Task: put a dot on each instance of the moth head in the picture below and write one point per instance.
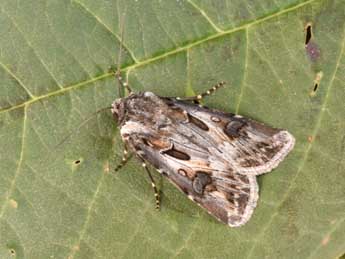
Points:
(117, 109)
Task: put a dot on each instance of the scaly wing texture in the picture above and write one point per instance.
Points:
(249, 146)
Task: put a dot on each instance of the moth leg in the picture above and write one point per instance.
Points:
(124, 160)
(198, 97)
(153, 184)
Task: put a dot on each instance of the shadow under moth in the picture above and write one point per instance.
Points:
(211, 156)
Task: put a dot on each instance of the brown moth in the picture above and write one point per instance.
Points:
(211, 156)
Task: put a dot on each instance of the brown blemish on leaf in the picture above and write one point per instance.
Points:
(313, 51)
(76, 248)
(333, 222)
(325, 240)
(106, 167)
(310, 139)
(13, 203)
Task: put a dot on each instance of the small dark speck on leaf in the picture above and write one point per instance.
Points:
(316, 83)
(77, 162)
(12, 251)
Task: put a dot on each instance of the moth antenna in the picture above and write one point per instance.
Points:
(118, 69)
(81, 125)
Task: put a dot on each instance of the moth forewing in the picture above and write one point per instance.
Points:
(210, 155)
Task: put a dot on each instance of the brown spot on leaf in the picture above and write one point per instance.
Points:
(326, 240)
(313, 51)
(13, 203)
(106, 167)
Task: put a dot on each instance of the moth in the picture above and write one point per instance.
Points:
(211, 156)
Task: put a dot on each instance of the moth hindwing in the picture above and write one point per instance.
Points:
(211, 156)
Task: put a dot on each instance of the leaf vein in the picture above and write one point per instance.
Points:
(8, 71)
(19, 166)
(204, 14)
(99, 20)
(39, 58)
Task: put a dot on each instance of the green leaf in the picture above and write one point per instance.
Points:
(63, 201)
